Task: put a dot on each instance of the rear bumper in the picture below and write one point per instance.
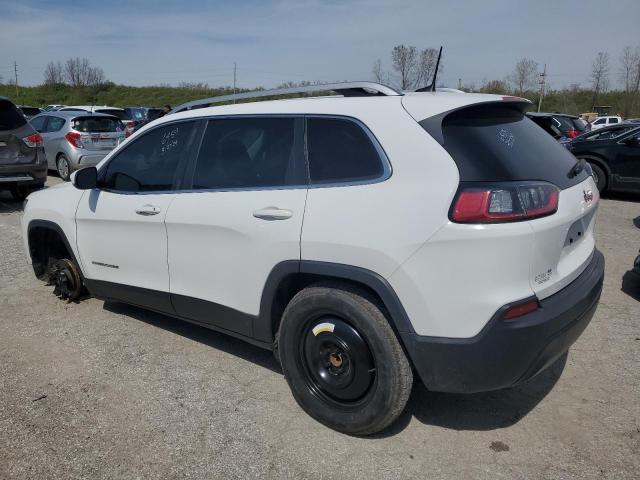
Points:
(25, 174)
(506, 353)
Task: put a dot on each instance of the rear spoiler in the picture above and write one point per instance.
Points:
(433, 125)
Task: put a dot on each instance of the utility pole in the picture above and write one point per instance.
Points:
(543, 78)
(234, 80)
(459, 84)
(15, 69)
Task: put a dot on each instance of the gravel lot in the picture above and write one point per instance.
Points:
(95, 390)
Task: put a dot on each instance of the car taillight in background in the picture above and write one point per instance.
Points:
(504, 202)
(75, 139)
(34, 140)
(573, 133)
(129, 127)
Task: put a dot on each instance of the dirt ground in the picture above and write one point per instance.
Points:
(106, 391)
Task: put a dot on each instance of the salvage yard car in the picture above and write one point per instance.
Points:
(76, 139)
(22, 163)
(365, 238)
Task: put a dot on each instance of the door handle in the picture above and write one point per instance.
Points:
(273, 213)
(148, 210)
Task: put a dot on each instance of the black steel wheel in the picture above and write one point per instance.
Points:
(66, 280)
(342, 360)
(338, 364)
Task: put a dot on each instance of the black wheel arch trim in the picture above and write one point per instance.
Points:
(56, 228)
(264, 327)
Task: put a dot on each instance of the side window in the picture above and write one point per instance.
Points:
(150, 163)
(249, 153)
(340, 151)
(613, 120)
(55, 124)
(38, 123)
(600, 121)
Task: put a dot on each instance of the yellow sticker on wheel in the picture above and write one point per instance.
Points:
(323, 327)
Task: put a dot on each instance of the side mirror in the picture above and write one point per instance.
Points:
(85, 178)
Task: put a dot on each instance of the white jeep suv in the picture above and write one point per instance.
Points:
(366, 238)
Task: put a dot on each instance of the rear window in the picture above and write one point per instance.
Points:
(579, 124)
(121, 114)
(10, 117)
(495, 143)
(97, 124)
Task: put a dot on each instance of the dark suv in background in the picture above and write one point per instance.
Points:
(22, 163)
(559, 125)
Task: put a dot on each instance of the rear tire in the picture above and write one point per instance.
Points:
(64, 167)
(342, 360)
(599, 176)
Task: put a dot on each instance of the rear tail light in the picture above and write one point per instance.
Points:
(75, 139)
(521, 309)
(504, 202)
(573, 133)
(34, 140)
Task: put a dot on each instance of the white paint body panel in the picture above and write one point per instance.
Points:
(111, 232)
(220, 252)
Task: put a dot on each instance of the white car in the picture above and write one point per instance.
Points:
(365, 238)
(607, 121)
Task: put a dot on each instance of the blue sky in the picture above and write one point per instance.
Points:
(144, 42)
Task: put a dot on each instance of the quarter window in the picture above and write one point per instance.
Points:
(151, 162)
(340, 150)
(248, 153)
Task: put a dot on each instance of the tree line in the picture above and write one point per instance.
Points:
(77, 81)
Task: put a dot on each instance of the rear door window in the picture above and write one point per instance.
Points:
(39, 123)
(495, 143)
(339, 150)
(10, 116)
(250, 153)
(55, 124)
(613, 120)
(151, 162)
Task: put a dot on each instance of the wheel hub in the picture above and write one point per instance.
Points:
(337, 360)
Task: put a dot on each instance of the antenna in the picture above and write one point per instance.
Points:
(432, 86)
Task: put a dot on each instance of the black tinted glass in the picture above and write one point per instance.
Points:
(10, 117)
(497, 143)
(121, 114)
(247, 153)
(340, 151)
(96, 124)
(150, 163)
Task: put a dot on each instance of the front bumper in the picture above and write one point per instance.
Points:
(506, 353)
(23, 174)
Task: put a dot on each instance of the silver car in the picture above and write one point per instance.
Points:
(74, 140)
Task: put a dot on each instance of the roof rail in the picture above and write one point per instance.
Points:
(348, 89)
